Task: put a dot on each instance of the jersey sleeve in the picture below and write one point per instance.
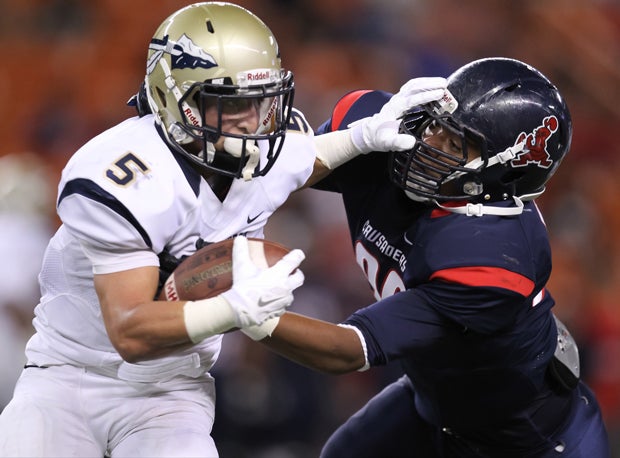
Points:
(296, 160)
(398, 325)
(123, 197)
(109, 234)
(421, 321)
(487, 270)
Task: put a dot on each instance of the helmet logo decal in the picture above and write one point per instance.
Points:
(267, 121)
(192, 117)
(184, 54)
(535, 147)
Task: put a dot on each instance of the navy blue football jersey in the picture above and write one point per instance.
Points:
(461, 300)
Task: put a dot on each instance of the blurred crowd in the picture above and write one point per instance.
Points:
(70, 65)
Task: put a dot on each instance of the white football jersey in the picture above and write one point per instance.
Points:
(122, 199)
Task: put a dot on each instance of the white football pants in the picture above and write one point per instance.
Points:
(66, 411)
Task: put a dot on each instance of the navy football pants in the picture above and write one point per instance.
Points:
(389, 426)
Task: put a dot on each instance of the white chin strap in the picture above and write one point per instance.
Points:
(500, 158)
(178, 134)
(209, 154)
(480, 210)
(234, 147)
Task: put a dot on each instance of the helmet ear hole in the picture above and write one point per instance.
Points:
(162, 97)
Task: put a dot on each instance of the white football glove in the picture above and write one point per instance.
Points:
(259, 294)
(260, 331)
(380, 131)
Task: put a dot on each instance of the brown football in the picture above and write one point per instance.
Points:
(208, 272)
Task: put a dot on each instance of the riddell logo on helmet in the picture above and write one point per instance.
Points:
(191, 116)
(257, 76)
(270, 113)
(535, 147)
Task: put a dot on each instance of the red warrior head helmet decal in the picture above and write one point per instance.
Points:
(535, 147)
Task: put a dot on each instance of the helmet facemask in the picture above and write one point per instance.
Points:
(204, 107)
(428, 173)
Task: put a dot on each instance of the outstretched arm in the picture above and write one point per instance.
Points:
(378, 132)
(317, 344)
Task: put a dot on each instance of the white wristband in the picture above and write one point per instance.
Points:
(260, 331)
(335, 148)
(208, 317)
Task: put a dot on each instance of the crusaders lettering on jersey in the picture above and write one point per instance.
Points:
(379, 240)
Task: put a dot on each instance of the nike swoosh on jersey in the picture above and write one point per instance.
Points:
(251, 220)
(262, 302)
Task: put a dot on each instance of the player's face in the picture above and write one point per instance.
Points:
(239, 116)
(454, 154)
(450, 143)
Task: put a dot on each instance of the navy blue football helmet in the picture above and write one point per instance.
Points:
(513, 128)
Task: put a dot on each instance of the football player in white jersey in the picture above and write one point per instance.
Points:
(112, 371)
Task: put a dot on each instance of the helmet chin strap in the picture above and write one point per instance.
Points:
(209, 153)
(500, 158)
(178, 134)
(470, 209)
(234, 146)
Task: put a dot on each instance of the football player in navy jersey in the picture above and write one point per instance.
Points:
(457, 254)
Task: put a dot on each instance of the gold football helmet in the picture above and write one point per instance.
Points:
(217, 55)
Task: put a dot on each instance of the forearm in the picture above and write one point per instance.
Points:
(141, 328)
(319, 172)
(149, 330)
(316, 344)
(378, 132)
(158, 328)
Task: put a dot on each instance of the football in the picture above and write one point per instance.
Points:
(208, 272)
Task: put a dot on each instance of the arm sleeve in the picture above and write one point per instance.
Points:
(112, 241)
(423, 319)
(105, 261)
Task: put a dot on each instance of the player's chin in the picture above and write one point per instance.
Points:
(423, 188)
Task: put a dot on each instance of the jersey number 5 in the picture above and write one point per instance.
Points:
(124, 170)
